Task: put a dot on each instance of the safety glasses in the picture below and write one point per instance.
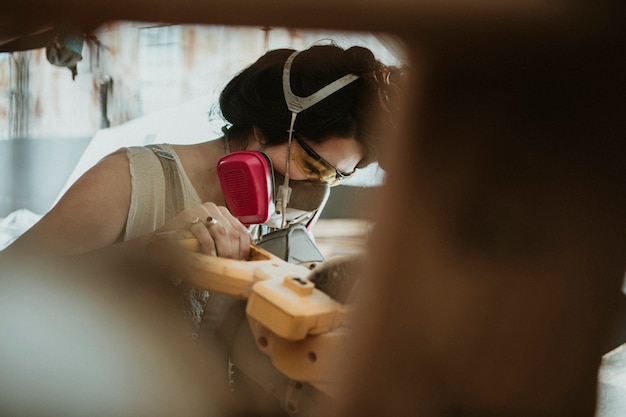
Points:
(314, 167)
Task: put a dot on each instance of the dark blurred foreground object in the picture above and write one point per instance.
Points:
(500, 253)
(91, 339)
(500, 256)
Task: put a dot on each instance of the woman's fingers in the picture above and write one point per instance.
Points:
(240, 236)
(215, 228)
(219, 233)
(203, 235)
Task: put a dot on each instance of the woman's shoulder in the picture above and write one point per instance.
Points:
(165, 150)
(197, 155)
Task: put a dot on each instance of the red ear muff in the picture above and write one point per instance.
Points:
(247, 185)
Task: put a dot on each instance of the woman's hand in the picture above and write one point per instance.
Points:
(219, 233)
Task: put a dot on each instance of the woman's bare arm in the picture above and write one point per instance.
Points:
(91, 215)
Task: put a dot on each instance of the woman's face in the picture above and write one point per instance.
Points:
(342, 153)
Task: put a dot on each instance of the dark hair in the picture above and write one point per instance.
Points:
(254, 97)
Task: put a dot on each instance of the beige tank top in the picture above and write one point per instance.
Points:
(149, 207)
(160, 189)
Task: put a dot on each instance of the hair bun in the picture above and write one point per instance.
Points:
(360, 60)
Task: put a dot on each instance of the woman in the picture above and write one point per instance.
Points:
(315, 115)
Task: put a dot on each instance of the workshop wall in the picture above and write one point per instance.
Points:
(131, 69)
(128, 70)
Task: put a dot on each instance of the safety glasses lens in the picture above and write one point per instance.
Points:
(315, 167)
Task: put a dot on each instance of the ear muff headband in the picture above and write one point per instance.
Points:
(296, 104)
